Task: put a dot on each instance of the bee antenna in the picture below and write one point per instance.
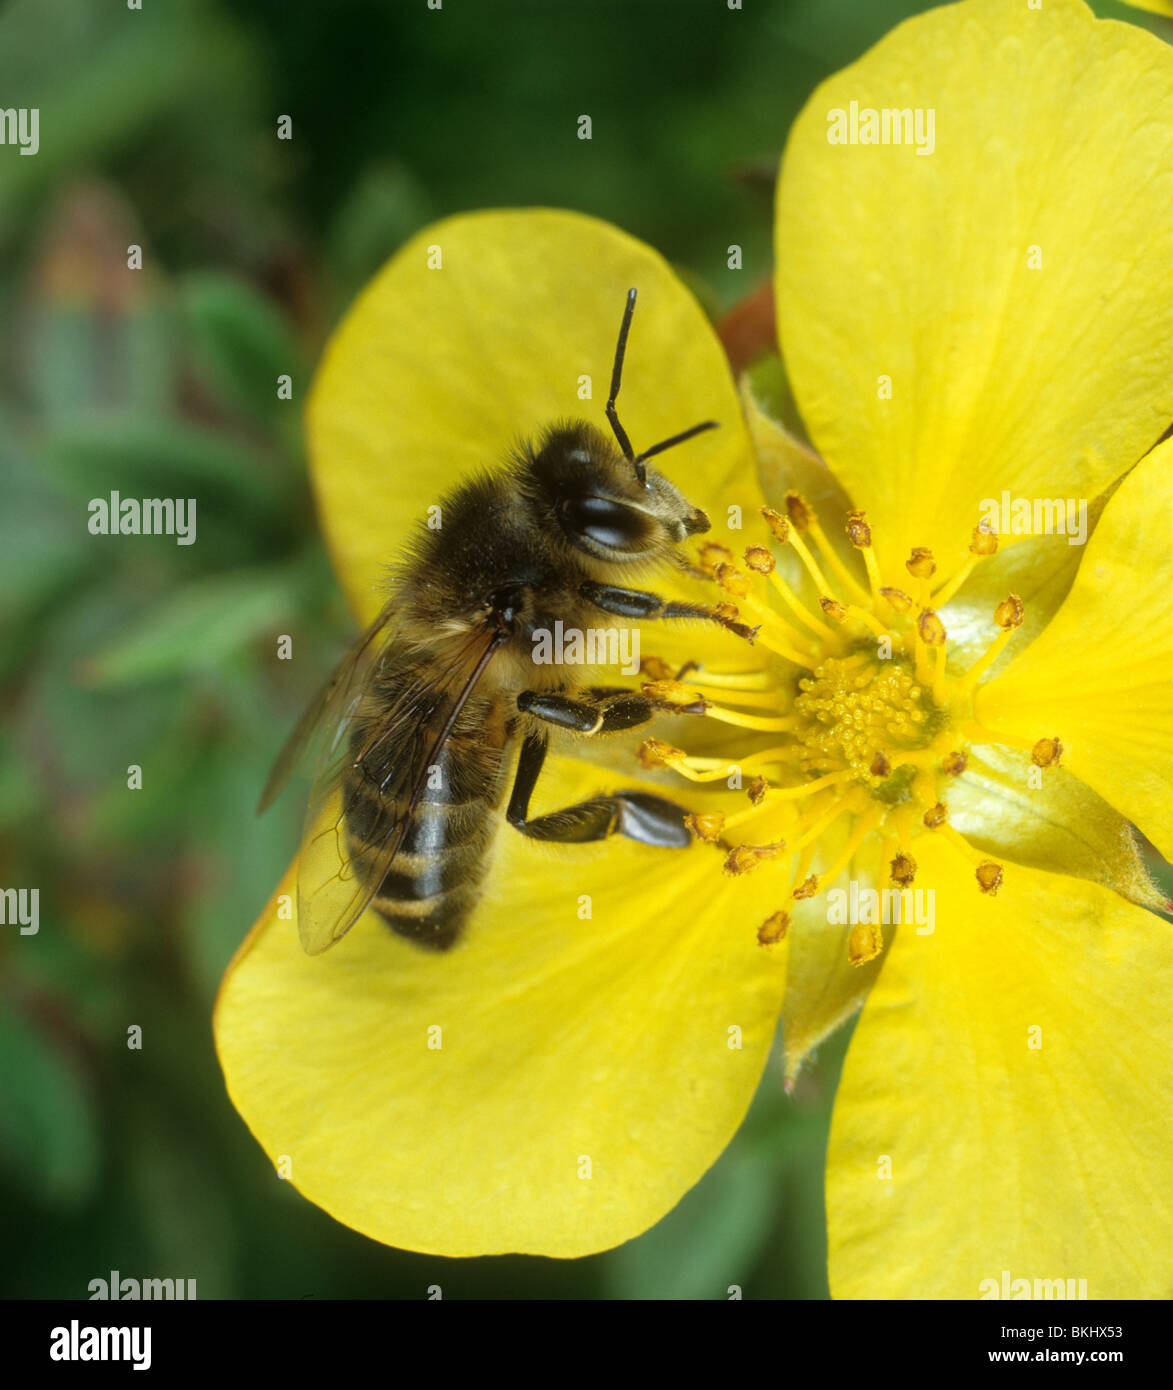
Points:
(637, 460)
(616, 379)
(676, 439)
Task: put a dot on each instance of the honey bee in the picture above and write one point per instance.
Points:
(424, 713)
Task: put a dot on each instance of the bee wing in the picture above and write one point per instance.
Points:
(328, 710)
(335, 888)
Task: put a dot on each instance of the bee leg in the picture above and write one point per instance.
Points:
(649, 820)
(609, 714)
(637, 603)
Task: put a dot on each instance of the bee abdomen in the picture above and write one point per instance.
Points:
(435, 878)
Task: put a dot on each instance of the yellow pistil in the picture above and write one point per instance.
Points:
(841, 612)
(859, 533)
(831, 557)
(800, 515)
(931, 631)
(781, 529)
(756, 681)
(773, 632)
(767, 724)
(984, 542)
(832, 779)
(863, 828)
(1008, 615)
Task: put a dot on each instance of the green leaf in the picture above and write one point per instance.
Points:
(159, 458)
(243, 344)
(385, 207)
(49, 1137)
(197, 627)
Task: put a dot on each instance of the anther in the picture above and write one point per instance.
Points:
(676, 694)
(759, 559)
(931, 628)
(774, 928)
(954, 763)
(654, 752)
(808, 888)
(655, 668)
(757, 789)
(984, 540)
(1009, 613)
(833, 608)
(732, 580)
(880, 767)
(743, 858)
(713, 553)
(920, 564)
(936, 815)
(706, 827)
(859, 533)
(800, 513)
(1046, 753)
(903, 870)
(897, 598)
(777, 523)
(989, 876)
(865, 943)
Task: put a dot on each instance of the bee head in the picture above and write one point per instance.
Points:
(600, 503)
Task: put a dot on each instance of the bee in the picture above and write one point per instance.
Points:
(424, 715)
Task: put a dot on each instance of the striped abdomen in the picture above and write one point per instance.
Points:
(435, 878)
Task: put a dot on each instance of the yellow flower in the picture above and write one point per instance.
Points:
(932, 702)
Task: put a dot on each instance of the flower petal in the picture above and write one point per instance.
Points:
(823, 988)
(1052, 822)
(919, 267)
(1039, 569)
(1100, 678)
(1048, 1163)
(591, 1069)
(435, 373)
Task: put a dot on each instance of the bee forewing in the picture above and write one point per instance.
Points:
(331, 896)
(315, 736)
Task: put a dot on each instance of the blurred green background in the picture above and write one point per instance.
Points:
(158, 128)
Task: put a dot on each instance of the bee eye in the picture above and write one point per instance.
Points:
(605, 523)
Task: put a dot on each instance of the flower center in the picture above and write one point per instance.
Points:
(857, 713)
(850, 708)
